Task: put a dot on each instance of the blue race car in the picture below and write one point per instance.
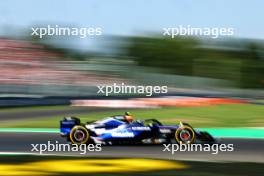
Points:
(122, 129)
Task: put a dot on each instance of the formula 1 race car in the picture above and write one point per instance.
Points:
(122, 130)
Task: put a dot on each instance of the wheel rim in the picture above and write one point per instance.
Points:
(79, 135)
(185, 135)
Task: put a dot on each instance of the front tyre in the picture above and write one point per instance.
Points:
(185, 135)
(79, 135)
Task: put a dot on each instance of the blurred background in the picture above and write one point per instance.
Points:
(131, 48)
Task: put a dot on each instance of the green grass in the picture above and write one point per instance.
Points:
(259, 101)
(236, 115)
(34, 108)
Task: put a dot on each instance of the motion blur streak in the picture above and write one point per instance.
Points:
(52, 167)
(34, 67)
(156, 102)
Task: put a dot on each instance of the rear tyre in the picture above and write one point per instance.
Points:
(79, 135)
(185, 135)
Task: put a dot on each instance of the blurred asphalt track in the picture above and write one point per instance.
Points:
(246, 150)
(16, 115)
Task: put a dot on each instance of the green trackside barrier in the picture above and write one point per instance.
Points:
(217, 132)
(30, 130)
(236, 132)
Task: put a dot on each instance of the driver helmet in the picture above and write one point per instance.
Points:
(129, 117)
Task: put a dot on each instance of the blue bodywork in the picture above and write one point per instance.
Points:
(112, 129)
